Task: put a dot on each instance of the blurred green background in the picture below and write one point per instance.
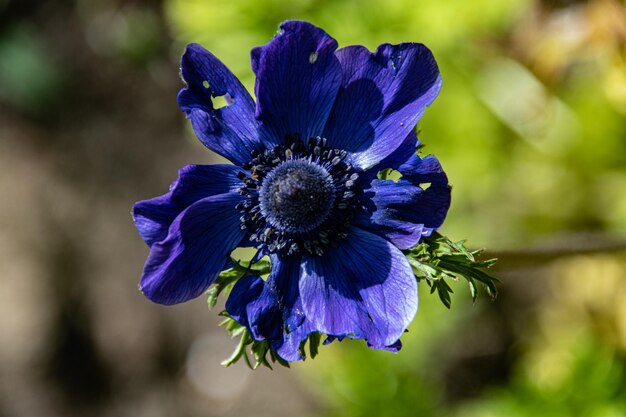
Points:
(530, 127)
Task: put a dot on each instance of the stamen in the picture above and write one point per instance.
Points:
(298, 198)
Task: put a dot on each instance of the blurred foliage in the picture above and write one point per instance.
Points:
(355, 381)
(574, 361)
(531, 129)
(530, 124)
(128, 31)
(29, 76)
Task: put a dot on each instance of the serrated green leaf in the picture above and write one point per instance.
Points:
(227, 278)
(444, 293)
(257, 348)
(438, 259)
(212, 295)
(240, 351)
(473, 289)
(277, 359)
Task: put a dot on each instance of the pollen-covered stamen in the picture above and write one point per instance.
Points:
(297, 196)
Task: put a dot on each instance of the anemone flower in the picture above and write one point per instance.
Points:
(305, 189)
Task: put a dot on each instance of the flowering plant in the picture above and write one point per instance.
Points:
(342, 245)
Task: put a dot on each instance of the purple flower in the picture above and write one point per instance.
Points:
(303, 189)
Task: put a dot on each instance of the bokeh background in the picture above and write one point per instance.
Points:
(530, 126)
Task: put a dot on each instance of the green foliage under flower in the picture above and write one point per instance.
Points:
(436, 260)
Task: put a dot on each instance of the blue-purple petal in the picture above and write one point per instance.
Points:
(436, 198)
(184, 264)
(394, 160)
(153, 217)
(394, 347)
(252, 305)
(402, 154)
(423, 170)
(232, 130)
(389, 207)
(388, 204)
(364, 289)
(272, 310)
(402, 233)
(403, 211)
(382, 97)
(298, 77)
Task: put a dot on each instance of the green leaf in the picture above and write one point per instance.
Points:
(437, 259)
(258, 349)
(239, 351)
(223, 283)
(260, 267)
(227, 278)
(473, 289)
(444, 291)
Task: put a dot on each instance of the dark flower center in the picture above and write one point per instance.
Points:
(297, 196)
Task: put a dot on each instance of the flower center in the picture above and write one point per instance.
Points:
(297, 196)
